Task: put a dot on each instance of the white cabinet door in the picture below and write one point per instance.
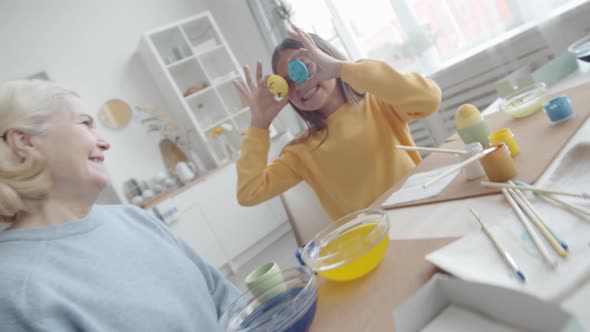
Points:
(236, 227)
(195, 231)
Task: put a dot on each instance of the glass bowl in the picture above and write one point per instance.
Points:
(581, 49)
(349, 248)
(526, 101)
(290, 310)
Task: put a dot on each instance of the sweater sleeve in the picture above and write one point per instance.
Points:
(410, 95)
(257, 180)
(223, 292)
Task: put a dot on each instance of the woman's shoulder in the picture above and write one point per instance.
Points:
(137, 220)
(122, 211)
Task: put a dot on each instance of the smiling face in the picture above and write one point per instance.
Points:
(73, 151)
(311, 95)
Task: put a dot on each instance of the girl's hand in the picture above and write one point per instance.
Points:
(263, 105)
(321, 65)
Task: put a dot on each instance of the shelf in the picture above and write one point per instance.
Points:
(192, 55)
(180, 62)
(217, 124)
(198, 93)
(207, 108)
(242, 119)
(201, 32)
(242, 111)
(171, 45)
(187, 73)
(206, 50)
(233, 138)
(230, 95)
(218, 64)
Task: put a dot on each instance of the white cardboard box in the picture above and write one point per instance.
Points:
(449, 304)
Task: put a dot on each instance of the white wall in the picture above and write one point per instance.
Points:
(90, 46)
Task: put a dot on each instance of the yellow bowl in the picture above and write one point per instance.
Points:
(525, 101)
(351, 247)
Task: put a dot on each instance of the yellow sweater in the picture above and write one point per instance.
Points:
(358, 161)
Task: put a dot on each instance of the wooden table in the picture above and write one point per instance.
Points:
(458, 222)
(367, 304)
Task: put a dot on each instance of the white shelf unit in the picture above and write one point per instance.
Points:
(190, 52)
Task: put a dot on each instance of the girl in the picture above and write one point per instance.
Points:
(356, 112)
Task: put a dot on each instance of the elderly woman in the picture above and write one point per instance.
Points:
(69, 265)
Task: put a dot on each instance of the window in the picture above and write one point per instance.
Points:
(415, 34)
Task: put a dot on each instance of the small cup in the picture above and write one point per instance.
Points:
(499, 165)
(473, 170)
(559, 109)
(505, 136)
(266, 281)
(477, 132)
(184, 172)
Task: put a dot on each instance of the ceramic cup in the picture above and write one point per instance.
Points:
(266, 281)
(505, 136)
(184, 172)
(477, 132)
(558, 109)
(499, 165)
(473, 170)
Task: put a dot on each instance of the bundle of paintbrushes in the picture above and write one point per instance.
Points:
(531, 219)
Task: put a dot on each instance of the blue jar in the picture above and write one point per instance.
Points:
(559, 109)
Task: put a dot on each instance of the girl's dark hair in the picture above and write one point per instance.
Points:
(315, 120)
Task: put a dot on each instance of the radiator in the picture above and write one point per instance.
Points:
(473, 80)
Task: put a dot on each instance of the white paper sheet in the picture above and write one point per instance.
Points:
(412, 189)
(454, 318)
(474, 257)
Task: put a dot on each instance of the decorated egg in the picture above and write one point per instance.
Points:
(277, 86)
(466, 116)
(298, 71)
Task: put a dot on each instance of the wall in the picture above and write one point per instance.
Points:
(90, 46)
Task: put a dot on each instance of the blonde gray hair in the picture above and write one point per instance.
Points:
(28, 106)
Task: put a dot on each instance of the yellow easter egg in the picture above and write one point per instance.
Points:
(277, 86)
(466, 116)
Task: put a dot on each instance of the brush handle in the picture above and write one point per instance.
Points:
(419, 148)
(534, 189)
(508, 193)
(461, 165)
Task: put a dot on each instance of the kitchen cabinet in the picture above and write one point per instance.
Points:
(217, 227)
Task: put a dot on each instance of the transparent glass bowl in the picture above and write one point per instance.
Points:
(526, 101)
(291, 310)
(349, 248)
(581, 49)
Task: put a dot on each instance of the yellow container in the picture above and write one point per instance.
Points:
(505, 136)
(350, 248)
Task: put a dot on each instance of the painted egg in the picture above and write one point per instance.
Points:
(298, 71)
(467, 115)
(277, 86)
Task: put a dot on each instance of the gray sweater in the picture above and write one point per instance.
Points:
(118, 269)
